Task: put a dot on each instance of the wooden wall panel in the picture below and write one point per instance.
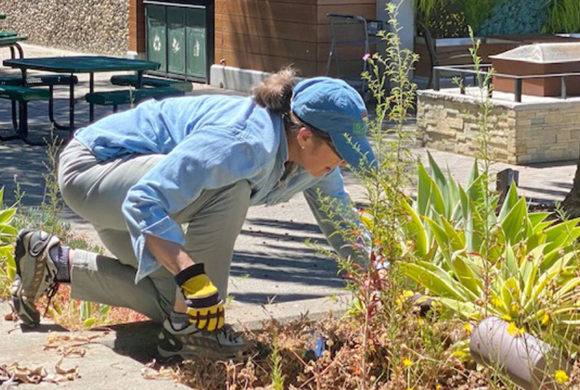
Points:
(273, 11)
(136, 26)
(262, 45)
(264, 62)
(268, 34)
(267, 28)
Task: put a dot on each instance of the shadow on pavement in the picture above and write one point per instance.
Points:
(137, 340)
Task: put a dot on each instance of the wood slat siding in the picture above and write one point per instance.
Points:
(269, 34)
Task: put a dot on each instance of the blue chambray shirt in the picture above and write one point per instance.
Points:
(210, 142)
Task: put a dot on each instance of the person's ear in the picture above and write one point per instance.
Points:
(304, 136)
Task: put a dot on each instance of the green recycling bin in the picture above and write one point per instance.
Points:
(180, 37)
(175, 40)
(157, 36)
(196, 37)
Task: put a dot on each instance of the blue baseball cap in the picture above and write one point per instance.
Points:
(334, 107)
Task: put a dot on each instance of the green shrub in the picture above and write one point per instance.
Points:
(7, 236)
(564, 17)
(529, 275)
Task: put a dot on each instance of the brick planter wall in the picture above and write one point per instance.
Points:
(520, 133)
(91, 26)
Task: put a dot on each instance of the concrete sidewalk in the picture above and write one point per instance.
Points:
(273, 273)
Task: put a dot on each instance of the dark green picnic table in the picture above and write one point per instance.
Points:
(11, 41)
(81, 64)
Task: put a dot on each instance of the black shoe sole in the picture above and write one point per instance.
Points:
(29, 316)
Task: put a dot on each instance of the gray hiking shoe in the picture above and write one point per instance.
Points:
(192, 343)
(35, 273)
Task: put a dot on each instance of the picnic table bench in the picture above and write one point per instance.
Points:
(13, 42)
(133, 81)
(116, 98)
(80, 64)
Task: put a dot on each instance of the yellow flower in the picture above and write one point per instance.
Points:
(561, 376)
(468, 327)
(403, 297)
(514, 331)
(515, 306)
(496, 302)
(438, 387)
(545, 319)
(407, 363)
(507, 317)
(459, 354)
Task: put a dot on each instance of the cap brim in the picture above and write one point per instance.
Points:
(356, 150)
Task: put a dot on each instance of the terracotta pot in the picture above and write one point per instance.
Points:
(528, 361)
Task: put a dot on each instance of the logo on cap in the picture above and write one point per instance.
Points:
(360, 128)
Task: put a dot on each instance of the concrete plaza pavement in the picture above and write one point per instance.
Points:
(273, 273)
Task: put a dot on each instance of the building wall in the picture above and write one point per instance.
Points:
(520, 133)
(91, 26)
(266, 35)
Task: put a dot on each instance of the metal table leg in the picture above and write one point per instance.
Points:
(71, 106)
(91, 90)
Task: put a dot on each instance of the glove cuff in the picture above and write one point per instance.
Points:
(189, 272)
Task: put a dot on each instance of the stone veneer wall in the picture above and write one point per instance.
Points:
(520, 133)
(91, 26)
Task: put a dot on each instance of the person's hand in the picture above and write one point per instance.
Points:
(205, 309)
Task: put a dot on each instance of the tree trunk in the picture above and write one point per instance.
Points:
(571, 203)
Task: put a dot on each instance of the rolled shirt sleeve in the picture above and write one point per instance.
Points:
(195, 164)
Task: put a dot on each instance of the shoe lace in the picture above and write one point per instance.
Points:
(50, 293)
(229, 334)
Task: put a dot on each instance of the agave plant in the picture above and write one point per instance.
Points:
(515, 265)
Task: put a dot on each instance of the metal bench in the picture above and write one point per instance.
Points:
(131, 80)
(45, 80)
(116, 98)
(39, 80)
(22, 95)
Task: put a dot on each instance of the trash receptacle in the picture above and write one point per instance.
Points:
(180, 37)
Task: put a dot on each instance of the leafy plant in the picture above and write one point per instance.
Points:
(478, 11)
(276, 366)
(426, 7)
(532, 271)
(564, 17)
(7, 236)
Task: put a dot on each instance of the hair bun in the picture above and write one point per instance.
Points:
(275, 91)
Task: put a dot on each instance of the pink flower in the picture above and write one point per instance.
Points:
(366, 57)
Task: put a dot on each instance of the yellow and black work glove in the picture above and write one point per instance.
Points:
(205, 309)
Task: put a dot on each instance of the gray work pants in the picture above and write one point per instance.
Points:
(95, 190)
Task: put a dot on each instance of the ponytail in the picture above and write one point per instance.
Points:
(275, 91)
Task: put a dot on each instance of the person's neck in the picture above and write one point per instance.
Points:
(292, 147)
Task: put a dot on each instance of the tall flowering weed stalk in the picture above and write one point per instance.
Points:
(391, 344)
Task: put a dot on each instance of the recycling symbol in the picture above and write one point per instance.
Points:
(157, 43)
(175, 45)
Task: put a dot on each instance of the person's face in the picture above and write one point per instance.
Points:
(317, 156)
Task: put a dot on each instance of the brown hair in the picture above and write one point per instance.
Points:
(275, 91)
(275, 94)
